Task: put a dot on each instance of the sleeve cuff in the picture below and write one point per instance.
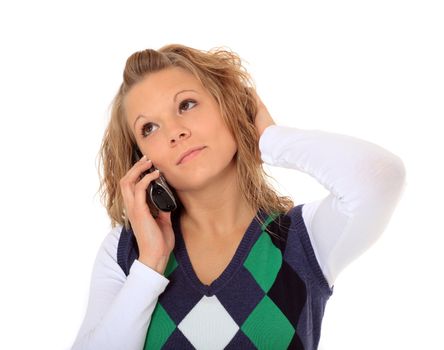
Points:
(148, 276)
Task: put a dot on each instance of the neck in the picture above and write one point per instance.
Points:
(216, 213)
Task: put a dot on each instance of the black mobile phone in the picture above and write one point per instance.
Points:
(158, 192)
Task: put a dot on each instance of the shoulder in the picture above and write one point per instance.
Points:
(303, 213)
(108, 249)
(111, 240)
(301, 251)
(308, 211)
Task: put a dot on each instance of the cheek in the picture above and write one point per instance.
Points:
(155, 152)
(225, 140)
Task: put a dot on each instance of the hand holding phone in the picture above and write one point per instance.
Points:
(153, 232)
(158, 192)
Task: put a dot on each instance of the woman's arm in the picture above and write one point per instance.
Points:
(119, 307)
(365, 182)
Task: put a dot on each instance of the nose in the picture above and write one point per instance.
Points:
(179, 132)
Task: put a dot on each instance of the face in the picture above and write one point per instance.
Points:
(170, 112)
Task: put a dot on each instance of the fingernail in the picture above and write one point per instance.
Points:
(144, 156)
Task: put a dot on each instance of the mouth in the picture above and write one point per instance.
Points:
(191, 155)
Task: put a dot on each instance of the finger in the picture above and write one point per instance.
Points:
(164, 218)
(136, 170)
(127, 183)
(133, 175)
(140, 193)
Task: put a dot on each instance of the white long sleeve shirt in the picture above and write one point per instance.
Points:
(365, 182)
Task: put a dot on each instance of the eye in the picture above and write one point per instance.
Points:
(145, 127)
(185, 102)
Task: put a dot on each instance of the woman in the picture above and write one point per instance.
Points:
(235, 265)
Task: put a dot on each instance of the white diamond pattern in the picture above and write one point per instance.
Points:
(208, 325)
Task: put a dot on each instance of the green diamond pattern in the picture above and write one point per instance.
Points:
(267, 327)
(171, 265)
(160, 328)
(264, 261)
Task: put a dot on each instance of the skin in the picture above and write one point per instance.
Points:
(206, 185)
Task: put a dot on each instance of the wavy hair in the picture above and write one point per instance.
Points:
(220, 71)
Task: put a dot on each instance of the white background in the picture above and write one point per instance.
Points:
(370, 69)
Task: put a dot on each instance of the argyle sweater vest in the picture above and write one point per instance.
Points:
(272, 294)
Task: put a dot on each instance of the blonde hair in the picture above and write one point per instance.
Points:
(221, 72)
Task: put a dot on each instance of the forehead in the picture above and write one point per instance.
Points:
(161, 85)
(156, 90)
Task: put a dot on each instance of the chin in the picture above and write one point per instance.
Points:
(199, 179)
(201, 174)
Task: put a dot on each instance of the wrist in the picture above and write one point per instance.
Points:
(156, 264)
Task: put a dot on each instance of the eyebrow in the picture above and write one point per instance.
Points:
(174, 99)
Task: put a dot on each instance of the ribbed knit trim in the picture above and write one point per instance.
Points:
(127, 250)
(121, 251)
(296, 215)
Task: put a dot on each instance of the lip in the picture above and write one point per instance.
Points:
(189, 151)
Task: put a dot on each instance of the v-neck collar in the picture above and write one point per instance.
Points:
(181, 253)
